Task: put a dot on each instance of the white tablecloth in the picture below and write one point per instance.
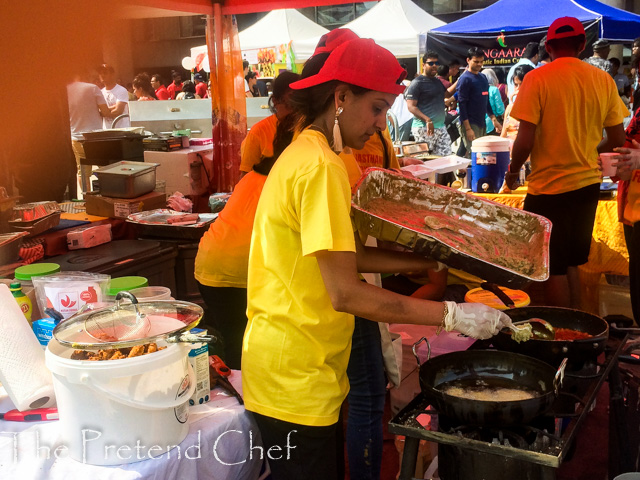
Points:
(221, 428)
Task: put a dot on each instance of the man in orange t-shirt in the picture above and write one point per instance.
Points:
(563, 107)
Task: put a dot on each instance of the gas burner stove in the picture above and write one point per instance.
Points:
(526, 452)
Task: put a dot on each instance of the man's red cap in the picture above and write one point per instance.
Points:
(329, 41)
(564, 27)
(360, 62)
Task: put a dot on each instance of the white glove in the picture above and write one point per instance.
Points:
(440, 266)
(475, 319)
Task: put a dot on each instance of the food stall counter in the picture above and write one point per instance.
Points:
(608, 252)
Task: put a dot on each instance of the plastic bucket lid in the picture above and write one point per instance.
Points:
(490, 143)
(125, 283)
(27, 272)
(479, 295)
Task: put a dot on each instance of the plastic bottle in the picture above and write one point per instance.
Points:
(22, 299)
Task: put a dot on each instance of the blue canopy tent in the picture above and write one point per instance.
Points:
(503, 29)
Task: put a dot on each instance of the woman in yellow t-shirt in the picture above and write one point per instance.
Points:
(303, 285)
(258, 143)
(223, 253)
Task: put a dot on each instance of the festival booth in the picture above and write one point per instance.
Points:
(275, 42)
(503, 29)
(394, 24)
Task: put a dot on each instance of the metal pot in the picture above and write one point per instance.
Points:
(494, 369)
(553, 351)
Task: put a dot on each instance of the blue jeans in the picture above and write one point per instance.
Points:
(366, 402)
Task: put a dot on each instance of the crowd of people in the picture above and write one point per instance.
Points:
(99, 102)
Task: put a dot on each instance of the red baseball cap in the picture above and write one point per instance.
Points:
(360, 62)
(564, 27)
(329, 41)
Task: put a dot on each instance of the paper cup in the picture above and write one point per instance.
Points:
(608, 161)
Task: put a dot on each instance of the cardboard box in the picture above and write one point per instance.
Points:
(123, 207)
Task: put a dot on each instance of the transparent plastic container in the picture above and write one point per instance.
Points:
(151, 294)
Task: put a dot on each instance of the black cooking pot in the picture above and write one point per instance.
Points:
(494, 369)
(553, 351)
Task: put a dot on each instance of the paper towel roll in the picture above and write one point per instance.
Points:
(23, 372)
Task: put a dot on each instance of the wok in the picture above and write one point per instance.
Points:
(495, 369)
(553, 351)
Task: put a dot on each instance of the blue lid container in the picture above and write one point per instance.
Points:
(489, 162)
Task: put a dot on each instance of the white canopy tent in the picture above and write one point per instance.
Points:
(278, 27)
(394, 24)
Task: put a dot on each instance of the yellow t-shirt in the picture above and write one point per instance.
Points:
(296, 346)
(258, 143)
(570, 102)
(371, 155)
(223, 253)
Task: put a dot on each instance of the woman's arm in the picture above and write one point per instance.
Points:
(349, 294)
(381, 260)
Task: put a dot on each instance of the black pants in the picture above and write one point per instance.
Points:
(632, 237)
(315, 453)
(227, 313)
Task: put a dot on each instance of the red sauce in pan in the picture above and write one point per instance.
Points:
(569, 334)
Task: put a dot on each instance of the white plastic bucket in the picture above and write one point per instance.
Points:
(122, 411)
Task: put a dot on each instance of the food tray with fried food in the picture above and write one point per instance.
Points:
(495, 242)
(26, 214)
(167, 223)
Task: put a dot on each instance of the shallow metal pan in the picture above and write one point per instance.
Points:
(520, 254)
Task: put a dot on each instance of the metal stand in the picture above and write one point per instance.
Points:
(409, 458)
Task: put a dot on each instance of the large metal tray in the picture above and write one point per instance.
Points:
(495, 242)
(153, 223)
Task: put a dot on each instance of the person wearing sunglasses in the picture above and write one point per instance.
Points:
(425, 100)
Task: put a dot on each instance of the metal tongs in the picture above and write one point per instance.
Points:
(219, 372)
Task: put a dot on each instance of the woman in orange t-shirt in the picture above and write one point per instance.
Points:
(259, 141)
(222, 260)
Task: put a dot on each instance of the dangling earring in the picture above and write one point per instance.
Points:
(337, 136)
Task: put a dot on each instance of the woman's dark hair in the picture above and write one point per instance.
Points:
(443, 70)
(281, 87)
(143, 82)
(250, 75)
(189, 87)
(521, 71)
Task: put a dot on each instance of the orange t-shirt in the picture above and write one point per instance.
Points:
(223, 254)
(371, 155)
(258, 143)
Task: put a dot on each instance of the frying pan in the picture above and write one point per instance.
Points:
(553, 351)
(495, 369)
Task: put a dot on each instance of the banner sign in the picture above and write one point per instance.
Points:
(501, 49)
